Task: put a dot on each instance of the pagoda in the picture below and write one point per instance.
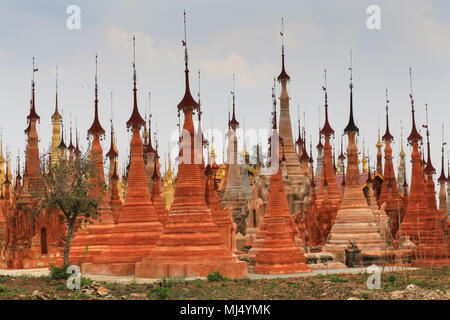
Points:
(94, 238)
(389, 190)
(138, 227)
(234, 196)
(341, 161)
(32, 241)
(319, 148)
(56, 123)
(222, 218)
(113, 182)
(168, 186)
(448, 188)
(297, 181)
(421, 222)
(401, 167)
(149, 153)
(112, 155)
(279, 252)
(190, 243)
(379, 145)
(327, 210)
(160, 209)
(355, 220)
(442, 181)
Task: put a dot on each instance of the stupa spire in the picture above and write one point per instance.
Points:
(112, 153)
(442, 178)
(414, 135)
(387, 135)
(429, 169)
(299, 141)
(77, 146)
(326, 130)
(274, 111)
(234, 123)
(135, 118)
(56, 116)
(351, 126)
(33, 115)
(187, 103)
(96, 128)
(283, 75)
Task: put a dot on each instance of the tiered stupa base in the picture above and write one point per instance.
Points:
(190, 244)
(94, 238)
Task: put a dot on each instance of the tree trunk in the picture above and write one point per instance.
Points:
(70, 224)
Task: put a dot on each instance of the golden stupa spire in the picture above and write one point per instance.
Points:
(2, 158)
(364, 158)
(379, 143)
(402, 151)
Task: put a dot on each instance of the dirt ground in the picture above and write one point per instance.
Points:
(422, 284)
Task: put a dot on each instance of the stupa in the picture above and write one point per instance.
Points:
(94, 237)
(138, 227)
(161, 210)
(354, 220)
(299, 184)
(234, 196)
(421, 222)
(389, 190)
(279, 252)
(222, 218)
(190, 244)
(328, 205)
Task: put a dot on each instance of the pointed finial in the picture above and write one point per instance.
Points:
(351, 126)
(234, 123)
(134, 60)
(185, 41)
(112, 111)
(187, 103)
(274, 111)
(414, 135)
(387, 135)
(56, 116)
(326, 130)
(411, 85)
(34, 68)
(429, 169)
(96, 127)
(283, 75)
(198, 94)
(442, 178)
(351, 68)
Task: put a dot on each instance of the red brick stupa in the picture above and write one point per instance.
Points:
(389, 189)
(279, 252)
(327, 206)
(161, 210)
(190, 244)
(355, 220)
(222, 218)
(95, 236)
(138, 227)
(421, 222)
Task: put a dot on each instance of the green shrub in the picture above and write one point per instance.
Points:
(160, 292)
(3, 279)
(86, 282)
(336, 278)
(216, 276)
(4, 290)
(57, 273)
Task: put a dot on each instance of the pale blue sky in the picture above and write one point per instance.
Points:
(225, 37)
